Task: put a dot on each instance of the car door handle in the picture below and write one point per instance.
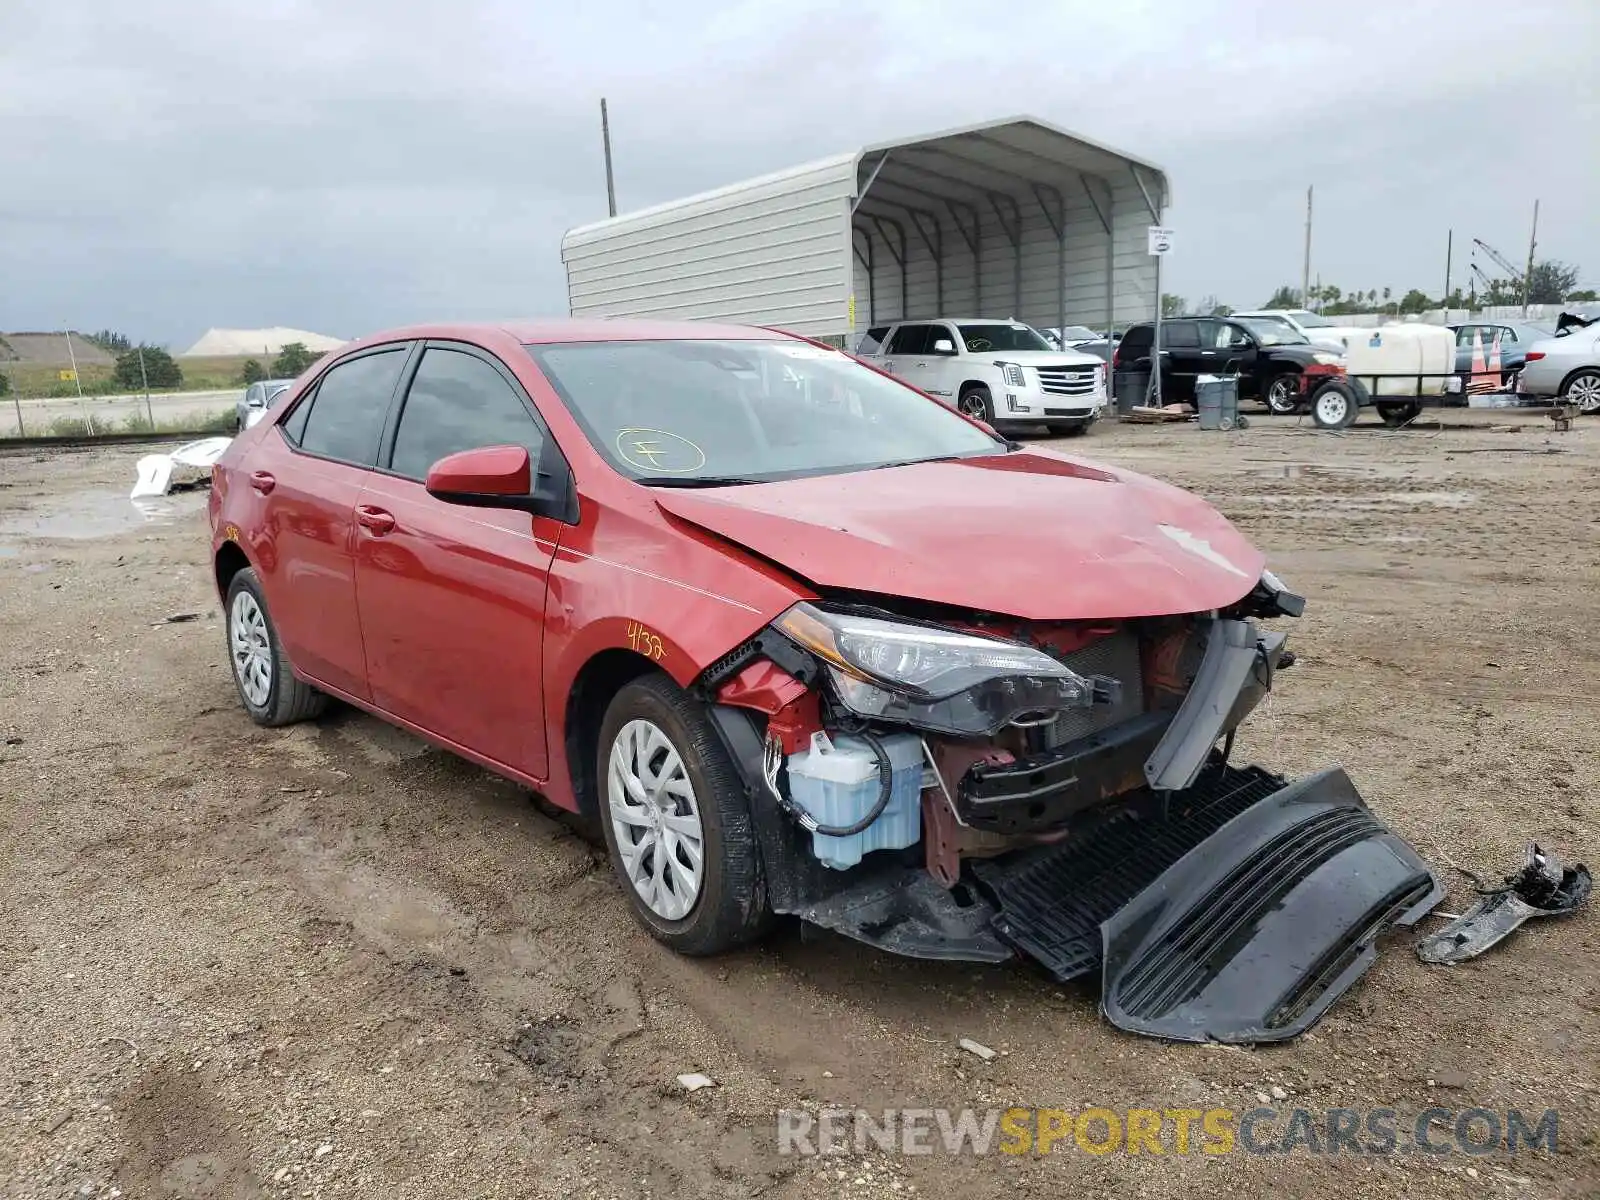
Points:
(1209, 353)
(376, 520)
(263, 482)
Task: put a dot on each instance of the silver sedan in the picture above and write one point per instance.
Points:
(1568, 367)
(248, 409)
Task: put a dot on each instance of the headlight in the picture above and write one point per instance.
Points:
(1329, 360)
(934, 678)
(1013, 375)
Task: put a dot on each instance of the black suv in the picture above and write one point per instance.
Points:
(1274, 363)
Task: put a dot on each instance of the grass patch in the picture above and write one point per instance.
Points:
(218, 421)
(42, 381)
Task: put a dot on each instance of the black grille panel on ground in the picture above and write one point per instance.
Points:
(1173, 970)
(1052, 899)
(1067, 381)
(1118, 657)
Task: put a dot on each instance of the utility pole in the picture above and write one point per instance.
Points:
(73, 359)
(605, 136)
(1305, 267)
(145, 379)
(1527, 277)
(1449, 246)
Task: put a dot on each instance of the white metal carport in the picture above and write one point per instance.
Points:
(1014, 218)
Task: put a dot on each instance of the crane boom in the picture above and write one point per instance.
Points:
(1500, 260)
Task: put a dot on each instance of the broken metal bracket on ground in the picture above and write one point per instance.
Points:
(1545, 887)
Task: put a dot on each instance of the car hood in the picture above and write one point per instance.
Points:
(1030, 534)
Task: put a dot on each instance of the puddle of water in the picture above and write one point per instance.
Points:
(98, 514)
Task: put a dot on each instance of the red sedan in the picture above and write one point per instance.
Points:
(802, 640)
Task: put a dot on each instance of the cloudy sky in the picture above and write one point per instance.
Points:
(171, 165)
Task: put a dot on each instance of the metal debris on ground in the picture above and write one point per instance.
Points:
(1544, 887)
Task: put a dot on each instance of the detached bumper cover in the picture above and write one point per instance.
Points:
(1258, 929)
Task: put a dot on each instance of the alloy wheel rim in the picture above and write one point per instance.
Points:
(252, 649)
(655, 818)
(1585, 392)
(972, 405)
(1279, 398)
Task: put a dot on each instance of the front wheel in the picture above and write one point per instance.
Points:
(976, 403)
(1334, 405)
(266, 682)
(677, 826)
(1583, 389)
(1283, 394)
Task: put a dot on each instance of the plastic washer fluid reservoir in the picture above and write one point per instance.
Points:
(836, 781)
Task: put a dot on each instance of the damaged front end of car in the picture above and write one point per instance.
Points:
(976, 787)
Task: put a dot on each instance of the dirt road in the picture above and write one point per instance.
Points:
(331, 961)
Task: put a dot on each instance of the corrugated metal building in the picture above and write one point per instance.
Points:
(1012, 218)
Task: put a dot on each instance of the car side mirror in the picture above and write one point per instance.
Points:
(504, 477)
(944, 346)
(255, 402)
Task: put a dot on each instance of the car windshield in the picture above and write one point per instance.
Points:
(1273, 331)
(1078, 333)
(1310, 320)
(1013, 335)
(701, 413)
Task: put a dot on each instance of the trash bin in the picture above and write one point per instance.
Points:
(1217, 398)
(1130, 386)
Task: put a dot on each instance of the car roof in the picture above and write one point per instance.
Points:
(538, 331)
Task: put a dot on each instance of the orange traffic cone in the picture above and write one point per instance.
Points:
(1476, 381)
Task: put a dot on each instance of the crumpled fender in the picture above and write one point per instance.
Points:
(1257, 930)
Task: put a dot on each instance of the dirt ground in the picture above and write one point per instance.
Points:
(331, 961)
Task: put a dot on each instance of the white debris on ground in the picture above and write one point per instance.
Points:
(189, 464)
(694, 1082)
(978, 1048)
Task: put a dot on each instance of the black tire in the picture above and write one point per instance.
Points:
(1282, 394)
(1068, 428)
(1397, 414)
(976, 402)
(731, 908)
(1242, 423)
(1577, 383)
(1326, 409)
(288, 699)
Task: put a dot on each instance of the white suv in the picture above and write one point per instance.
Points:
(1002, 372)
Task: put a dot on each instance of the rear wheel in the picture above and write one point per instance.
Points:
(676, 822)
(1583, 389)
(976, 403)
(1334, 405)
(1396, 415)
(266, 682)
(1283, 394)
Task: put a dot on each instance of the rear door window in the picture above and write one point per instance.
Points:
(872, 340)
(1180, 335)
(912, 339)
(345, 418)
(458, 401)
